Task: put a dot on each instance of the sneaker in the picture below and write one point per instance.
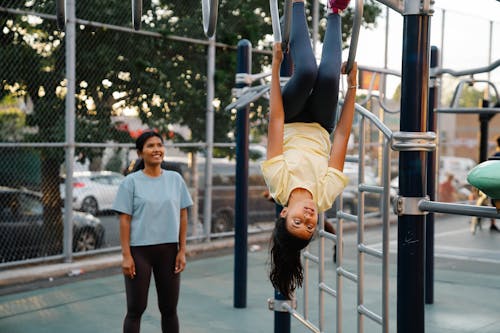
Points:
(336, 6)
(493, 227)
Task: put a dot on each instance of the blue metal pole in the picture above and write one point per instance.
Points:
(282, 320)
(244, 65)
(431, 183)
(412, 172)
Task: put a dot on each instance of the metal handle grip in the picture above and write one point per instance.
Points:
(210, 10)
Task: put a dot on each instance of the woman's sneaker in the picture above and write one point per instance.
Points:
(336, 6)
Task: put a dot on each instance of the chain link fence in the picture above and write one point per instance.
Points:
(125, 81)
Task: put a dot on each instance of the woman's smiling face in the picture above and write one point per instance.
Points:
(153, 151)
(301, 218)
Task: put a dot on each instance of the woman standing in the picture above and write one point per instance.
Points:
(152, 204)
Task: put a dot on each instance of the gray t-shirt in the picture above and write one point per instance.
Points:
(154, 204)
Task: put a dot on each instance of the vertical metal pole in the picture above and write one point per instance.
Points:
(490, 50)
(431, 182)
(412, 167)
(315, 25)
(209, 128)
(361, 225)
(70, 39)
(282, 320)
(244, 65)
(484, 120)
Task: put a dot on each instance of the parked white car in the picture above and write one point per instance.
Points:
(94, 191)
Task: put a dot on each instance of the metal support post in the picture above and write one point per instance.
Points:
(431, 182)
(244, 65)
(484, 123)
(70, 39)
(412, 167)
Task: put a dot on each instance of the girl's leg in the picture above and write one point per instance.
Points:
(297, 89)
(167, 286)
(322, 104)
(137, 290)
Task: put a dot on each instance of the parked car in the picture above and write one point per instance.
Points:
(22, 227)
(93, 191)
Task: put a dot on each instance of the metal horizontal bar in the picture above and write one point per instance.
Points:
(345, 273)
(372, 214)
(310, 256)
(32, 144)
(472, 71)
(374, 120)
(369, 250)
(301, 319)
(379, 70)
(393, 4)
(327, 289)
(468, 110)
(370, 314)
(348, 217)
(458, 209)
(328, 235)
(371, 188)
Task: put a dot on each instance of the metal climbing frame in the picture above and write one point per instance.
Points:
(341, 272)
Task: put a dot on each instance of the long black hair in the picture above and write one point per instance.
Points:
(286, 272)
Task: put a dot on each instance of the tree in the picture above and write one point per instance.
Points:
(163, 79)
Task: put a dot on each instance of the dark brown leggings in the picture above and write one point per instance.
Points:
(159, 259)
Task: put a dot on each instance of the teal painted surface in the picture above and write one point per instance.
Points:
(465, 302)
(486, 177)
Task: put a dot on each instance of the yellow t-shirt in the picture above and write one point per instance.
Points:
(304, 164)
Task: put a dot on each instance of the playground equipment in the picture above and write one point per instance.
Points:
(486, 177)
(210, 10)
(136, 14)
(61, 14)
(416, 142)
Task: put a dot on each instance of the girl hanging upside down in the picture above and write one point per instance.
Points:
(303, 170)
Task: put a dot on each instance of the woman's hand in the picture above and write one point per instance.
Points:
(180, 262)
(352, 76)
(277, 53)
(128, 266)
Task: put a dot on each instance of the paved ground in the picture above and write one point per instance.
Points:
(467, 290)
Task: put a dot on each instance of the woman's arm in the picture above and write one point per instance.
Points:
(128, 265)
(180, 260)
(343, 128)
(277, 115)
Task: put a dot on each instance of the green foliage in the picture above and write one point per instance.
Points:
(164, 80)
(12, 121)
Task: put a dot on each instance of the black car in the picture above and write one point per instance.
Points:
(24, 233)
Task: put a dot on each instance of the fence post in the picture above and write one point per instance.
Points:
(244, 65)
(70, 39)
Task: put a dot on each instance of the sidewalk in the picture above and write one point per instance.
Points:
(464, 302)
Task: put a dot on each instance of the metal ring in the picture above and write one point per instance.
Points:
(210, 10)
(281, 27)
(356, 27)
(137, 14)
(61, 14)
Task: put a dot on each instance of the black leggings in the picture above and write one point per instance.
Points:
(311, 94)
(160, 259)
